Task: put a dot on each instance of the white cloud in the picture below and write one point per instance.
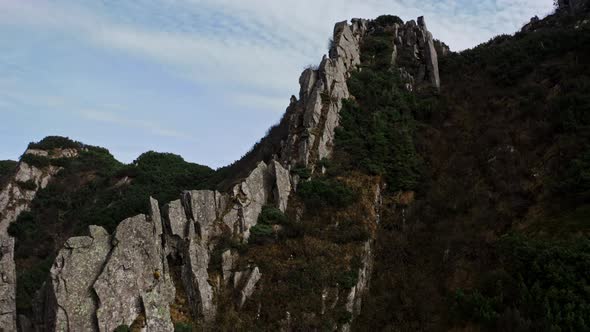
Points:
(249, 52)
(112, 118)
(257, 43)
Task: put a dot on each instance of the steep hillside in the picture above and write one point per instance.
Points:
(90, 189)
(497, 238)
(406, 188)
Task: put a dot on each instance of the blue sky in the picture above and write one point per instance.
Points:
(199, 78)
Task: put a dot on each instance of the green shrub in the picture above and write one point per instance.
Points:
(387, 20)
(36, 161)
(545, 283)
(122, 328)
(318, 193)
(183, 327)
(7, 168)
(474, 306)
(303, 172)
(343, 317)
(261, 233)
(350, 231)
(376, 130)
(55, 142)
(270, 215)
(29, 281)
(24, 225)
(576, 178)
(28, 185)
(347, 279)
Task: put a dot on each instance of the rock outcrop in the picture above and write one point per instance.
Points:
(135, 270)
(282, 188)
(125, 278)
(196, 280)
(315, 115)
(72, 276)
(245, 282)
(15, 197)
(312, 125)
(7, 284)
(99, 282)
(414, 41)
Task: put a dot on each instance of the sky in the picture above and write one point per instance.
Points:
(203, 79)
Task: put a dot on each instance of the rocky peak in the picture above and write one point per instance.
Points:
(315, 115)
(101, 281)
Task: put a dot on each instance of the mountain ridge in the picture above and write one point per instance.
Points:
(362, 164)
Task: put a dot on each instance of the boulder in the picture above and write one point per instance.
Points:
(245, 282)
(135, 267)
(72, 276)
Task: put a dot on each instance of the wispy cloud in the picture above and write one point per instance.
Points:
(227, 57)
(112, 118)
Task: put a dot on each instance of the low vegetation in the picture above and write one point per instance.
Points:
(543, 286)
(497, 239)
(7, 168)
(92, 189)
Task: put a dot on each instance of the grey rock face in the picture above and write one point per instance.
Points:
(72, 276)
(204, 211)
(7, 284)
(228, 260)
(177, 220)
(312, 127)
(251, 195)
(430, 55)
(156, 304)
(196, 281)
(357, 293)
(134, 268)
(282, 188)
(246, 282)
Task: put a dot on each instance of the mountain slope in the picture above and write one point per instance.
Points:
(498, 236)
(389, 197)
(90, 189)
